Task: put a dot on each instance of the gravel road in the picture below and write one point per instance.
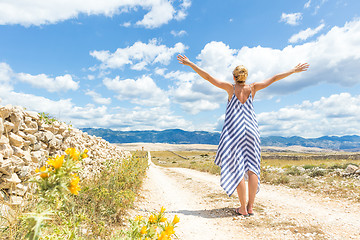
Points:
(206, 212)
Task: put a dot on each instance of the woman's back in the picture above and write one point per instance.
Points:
(242, 92)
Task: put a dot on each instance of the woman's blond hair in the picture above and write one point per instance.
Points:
(240, 73)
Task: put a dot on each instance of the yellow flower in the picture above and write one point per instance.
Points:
(169, 230)
(162, 209)
(163, 236)
(152, 219)
(163, 219)
(176, 219)
(43, 174)
(138, 218)
(143, 230)
(74, 185)
(56, 162)
(74, 154)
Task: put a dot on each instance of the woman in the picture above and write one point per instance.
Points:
(238, 152)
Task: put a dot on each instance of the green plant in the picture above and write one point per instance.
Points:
(47, 118)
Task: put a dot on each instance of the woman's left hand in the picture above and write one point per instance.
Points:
(183, 60)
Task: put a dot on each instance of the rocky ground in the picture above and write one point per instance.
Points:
(206, 212)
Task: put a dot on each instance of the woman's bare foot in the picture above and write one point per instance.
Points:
(250, 210)
(241, 211)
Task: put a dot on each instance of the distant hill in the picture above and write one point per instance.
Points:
(178, 136)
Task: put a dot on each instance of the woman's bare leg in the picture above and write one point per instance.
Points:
(241, 190)
(252, 185)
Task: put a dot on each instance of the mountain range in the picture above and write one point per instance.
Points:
(178, 136)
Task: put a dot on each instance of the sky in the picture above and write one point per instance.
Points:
(112, 64)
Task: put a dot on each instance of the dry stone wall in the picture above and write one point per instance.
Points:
(26, 141)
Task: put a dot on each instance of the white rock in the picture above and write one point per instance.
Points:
(13, 178)
(31, 138)
(1, 126)
(5, 111)
(4, 140)
(6, 150)
(16, 200)
(8, 126)
(7, 214)
(16, 140)
(20, 189)
(18, 152)
(32, 114)
(351, 168)
(16, 119)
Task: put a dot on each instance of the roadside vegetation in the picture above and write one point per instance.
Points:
(63, 206)
(322, 176)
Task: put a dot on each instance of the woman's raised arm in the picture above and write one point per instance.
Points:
(298, 68)
(220, 84)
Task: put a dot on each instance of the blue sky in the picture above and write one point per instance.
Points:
(112, 64)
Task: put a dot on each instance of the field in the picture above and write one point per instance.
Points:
(320, 173)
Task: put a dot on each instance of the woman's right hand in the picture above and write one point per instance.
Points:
(183, 60)
(301, 67)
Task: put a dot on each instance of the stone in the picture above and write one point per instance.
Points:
(31, 138)
(36, 156)
(8, 126)
(357, 172)
(37, 146)
(5, 111)
(25, 172)
(16, 140)
(4, 171)
(27, 157)
(44, 136)
(27, 120)
(6, 150)
(18, 152)
(16, 119)
(16, 200)
(20, 190)
(7, 214)
(351, 169)
(1, 126)
(55, 143)
(13, 178)
(32, 114)
(4, 140)
(30, 130)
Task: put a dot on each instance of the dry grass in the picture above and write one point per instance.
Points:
(314, 179)
(202, 161)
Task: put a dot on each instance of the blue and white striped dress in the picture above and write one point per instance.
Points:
(239, 147)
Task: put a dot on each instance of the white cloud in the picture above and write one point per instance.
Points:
(335, 115)
(307, 4)
(305, 34)
(90, 77)
(139, 55)
(138, 118)
(142, 91)
(178, 33)
(334, 57)
(126, 24)
(97, 97)
(40, 12)
(291, 18)
(57, 84)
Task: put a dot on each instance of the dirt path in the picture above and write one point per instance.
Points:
(206, 212)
